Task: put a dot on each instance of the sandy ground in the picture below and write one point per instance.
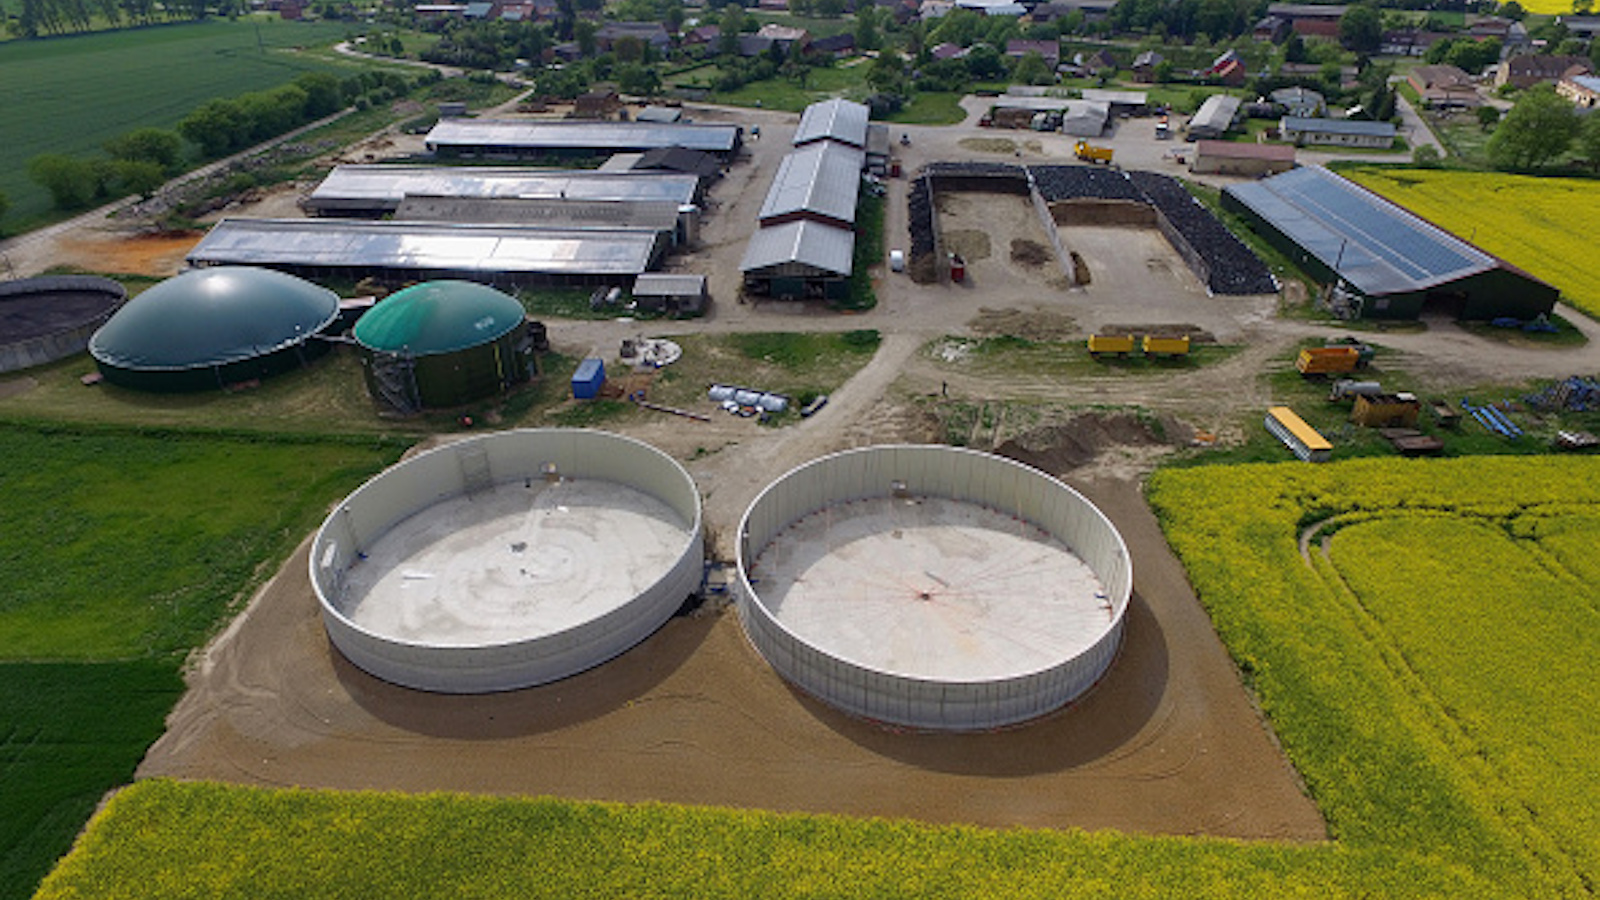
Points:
(1167, 743)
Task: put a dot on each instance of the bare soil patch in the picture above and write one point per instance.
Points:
(1029, 253)
(157, 255)
(971, 245)
(1063, 447)
(1028, 324)
(988, 145)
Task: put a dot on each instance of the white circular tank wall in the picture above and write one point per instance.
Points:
(508, 560)
(932, 587)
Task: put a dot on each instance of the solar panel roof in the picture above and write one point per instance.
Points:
(1373, 244)
(341, 243)
(557, 135)
(809, 243)
(386, 186)
(822, 178)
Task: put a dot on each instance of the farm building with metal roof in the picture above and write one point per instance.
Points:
(1214, 117)
(679, 223)
(377, 190)
(1393, 263)
(517, 139)
(1342, 132)
(512, 254)
(799, 260)
(834, 120)
(819, 181)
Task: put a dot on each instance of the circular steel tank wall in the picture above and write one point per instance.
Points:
(932, 587)
(508, 560)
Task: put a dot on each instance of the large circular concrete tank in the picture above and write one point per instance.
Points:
(48, 318)
(209, 328)
(932, 587)
(443, 343)
(508, 560)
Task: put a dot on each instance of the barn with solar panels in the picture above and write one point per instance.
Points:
(1385, 262)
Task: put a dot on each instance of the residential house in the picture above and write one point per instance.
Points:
(1300, 102)
(1145, 65)
(1528, 69)
(1444, 87)
(838, 45)
(785, 38)
(1582, 90)
(1050, 50)
(1409, 42)
(1272, 28)
(650, 33)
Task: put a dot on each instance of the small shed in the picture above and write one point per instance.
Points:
(679, 295)
(666, 114)
(1236, 158)
(1386, 410)
(587, 381)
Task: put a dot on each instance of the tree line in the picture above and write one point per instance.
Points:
(38, 18)
(140, 161)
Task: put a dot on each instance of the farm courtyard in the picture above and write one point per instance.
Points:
(1416, 727)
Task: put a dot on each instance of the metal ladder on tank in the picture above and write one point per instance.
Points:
(395, 378)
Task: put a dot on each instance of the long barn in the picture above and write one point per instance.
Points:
(1387, 262)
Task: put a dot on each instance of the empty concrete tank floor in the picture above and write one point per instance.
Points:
(931, 588)
(519, 561)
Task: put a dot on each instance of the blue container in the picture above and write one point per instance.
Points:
(587, 380)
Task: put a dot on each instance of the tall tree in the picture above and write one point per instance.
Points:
(153, 145)
(1537, 130)
(1589, 140)
(1361, 29)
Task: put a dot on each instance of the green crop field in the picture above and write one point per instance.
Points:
(122, 550)
(1431, 673)
(1431, 665)
(71, 94)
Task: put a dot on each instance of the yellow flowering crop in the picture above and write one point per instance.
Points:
(1542, 225)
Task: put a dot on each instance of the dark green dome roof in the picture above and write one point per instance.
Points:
(212, 317)
(438, 317)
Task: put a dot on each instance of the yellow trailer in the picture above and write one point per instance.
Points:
(1166, 346)
(1090, 153)
(1120, 344)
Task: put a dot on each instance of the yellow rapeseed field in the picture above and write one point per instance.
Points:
(1542, 225)
(1548, 7)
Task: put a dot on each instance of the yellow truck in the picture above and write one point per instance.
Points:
(1165, 346)
(1090, 153)
(1120, 344)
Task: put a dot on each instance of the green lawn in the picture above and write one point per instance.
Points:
(123, 550)
(849, 82)
(71, 94)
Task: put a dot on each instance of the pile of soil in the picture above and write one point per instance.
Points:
(969, 245)
(1066, 446)
(1029, 253)
(1196, 334)
(1028, 324)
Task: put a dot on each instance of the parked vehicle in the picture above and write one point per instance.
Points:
(897, 260)
(1090, 153)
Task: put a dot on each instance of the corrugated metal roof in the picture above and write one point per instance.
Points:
(1375, 245)
(1337, 126)
(560, 135)
(822, 178)
(808, 243)
(660, 284)
(628, 215)
(507, 249)
(1121, 98)
(840, 120)
(386, 186)
(1216, 113)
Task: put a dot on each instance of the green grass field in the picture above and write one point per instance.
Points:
(124, 549)
(71, 94)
